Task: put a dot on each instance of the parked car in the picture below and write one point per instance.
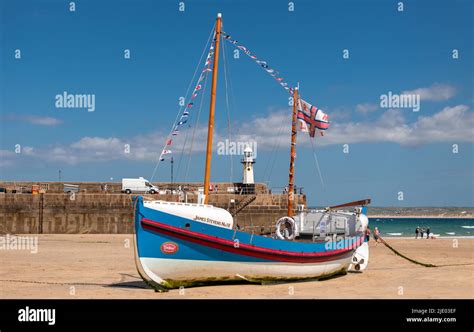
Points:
(139, 185)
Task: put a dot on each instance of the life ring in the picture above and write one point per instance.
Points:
(288, 233)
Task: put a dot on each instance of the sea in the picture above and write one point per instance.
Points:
(440, 227)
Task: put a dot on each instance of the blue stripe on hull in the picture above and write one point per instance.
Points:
(149, 242)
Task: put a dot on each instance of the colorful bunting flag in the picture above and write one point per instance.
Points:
(184, 116)
(310, 117)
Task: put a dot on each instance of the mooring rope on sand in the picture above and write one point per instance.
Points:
(417, 262)
(68, 283)
(54, 282)
(405, 257)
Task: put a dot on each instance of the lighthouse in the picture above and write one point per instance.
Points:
(247, 161)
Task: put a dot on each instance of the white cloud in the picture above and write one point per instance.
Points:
(366, 108)
(36, 120)
(341, 113)
(28, 150)
(97, 149)
(8, 157)
(436, 92)
(452, 124)
(268, 130)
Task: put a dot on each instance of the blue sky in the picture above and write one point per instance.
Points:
(390, 150)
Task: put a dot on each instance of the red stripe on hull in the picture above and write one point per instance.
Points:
(246, 249)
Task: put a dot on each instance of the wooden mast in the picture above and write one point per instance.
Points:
(291, 180)
(210, 127)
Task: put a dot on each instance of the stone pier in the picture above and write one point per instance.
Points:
(111, 212)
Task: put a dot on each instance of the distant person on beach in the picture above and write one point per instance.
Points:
(417, 232)
(376, 235)
(367, 234)
(428, 233)
(422, 231)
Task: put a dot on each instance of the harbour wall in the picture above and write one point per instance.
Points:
(116, 187)
(112, 213)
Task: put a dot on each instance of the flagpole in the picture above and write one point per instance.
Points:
(210, 127)
(291, 194)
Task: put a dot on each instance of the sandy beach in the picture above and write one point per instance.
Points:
(102, 266)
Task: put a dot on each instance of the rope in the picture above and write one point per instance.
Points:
(64, 283)
(54, 283)
(405, 257)
(182, 151)
(263, 64)
(227, 107)
(194, 130)
(185, 98)
(417, 262)
(273, 155)
(317, 162)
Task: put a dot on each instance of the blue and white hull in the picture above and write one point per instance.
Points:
(177, 249)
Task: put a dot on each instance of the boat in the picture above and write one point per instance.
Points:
(181, 244)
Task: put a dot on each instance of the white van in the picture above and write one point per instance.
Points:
(139, 185)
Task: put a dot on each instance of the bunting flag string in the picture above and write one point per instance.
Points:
(185, 115)
(310, 117)
(264, 64)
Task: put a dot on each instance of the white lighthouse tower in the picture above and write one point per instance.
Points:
(247, 161)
